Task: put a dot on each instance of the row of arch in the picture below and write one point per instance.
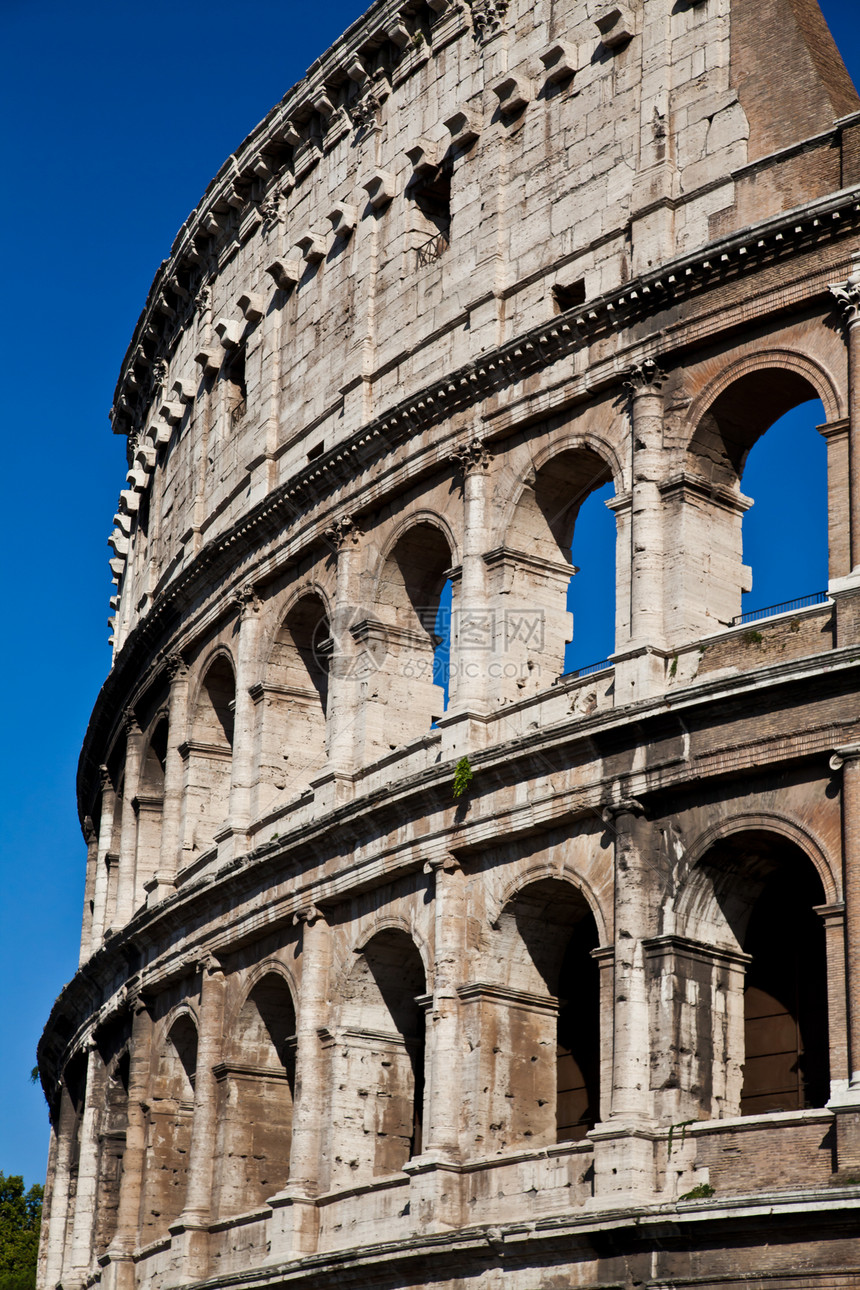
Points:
(391, 659)
(537, 1030)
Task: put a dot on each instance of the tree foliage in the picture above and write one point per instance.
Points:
(20, 1219)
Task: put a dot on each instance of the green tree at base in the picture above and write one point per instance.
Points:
(20, 1219)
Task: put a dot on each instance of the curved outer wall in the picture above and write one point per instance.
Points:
(331, 1020)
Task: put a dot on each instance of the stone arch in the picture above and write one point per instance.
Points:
(169, 1116)
(751, 895)
(540, 870)
(209, 750)
(400, 643)
(256, 1087)
(538, 557)
(539, 1018)
(733, 412)
(379, 1060)
(294, 698)
(149, 804)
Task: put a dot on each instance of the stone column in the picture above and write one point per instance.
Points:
(624, 1153)
(640, 663)
(81, 1253)
(472, 628)
(344, 691)
(174, 778)
(92, 841)
(435, 1200)
(295, 1220)
(848, 296)
(100, 891)
(192, 1226)
(244, 769)
(128, 838)
(846, 1101)
(119, 1272)
(59, 1202)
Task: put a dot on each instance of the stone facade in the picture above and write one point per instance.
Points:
(596, 1021)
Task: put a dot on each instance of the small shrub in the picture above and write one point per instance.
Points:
(753, 638)
(702, 1192)
(462, 777)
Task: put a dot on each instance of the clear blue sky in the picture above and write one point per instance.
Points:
(116, 117)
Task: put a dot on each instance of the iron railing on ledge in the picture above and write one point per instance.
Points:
(802, 602)
(431, 250)
(588, 670)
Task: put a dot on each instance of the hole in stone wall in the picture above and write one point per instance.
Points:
(568, 297)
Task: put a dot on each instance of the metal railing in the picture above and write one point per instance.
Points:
(431, 250)
(802, 602)
(588, 670)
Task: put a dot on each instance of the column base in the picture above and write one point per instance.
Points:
(293, 1227)
(190, 1248)
(333, 788)
(640, 673)
(158, 888)
(435, 1192)
(117, 1270)
(623, 1163)
(845, 1105)
(463, 732)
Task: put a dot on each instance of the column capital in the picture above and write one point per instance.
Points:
(131, 724)
(176, 666)
(624, 806)
(646, 377)
(444, 863)
(247, 600)
(471, 456)
(105, 781)
(307, 914)
(344, 533)
(208, 965)
(848, 752)
(847, 296)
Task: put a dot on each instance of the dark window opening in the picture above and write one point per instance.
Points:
(315, 452)
(431, 193)
(786, 1057)
(234, 375)
(578, 1043)
(568, 297)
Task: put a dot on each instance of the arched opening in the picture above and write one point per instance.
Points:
(380, 1064)
(757, 894)
(591, 594)
(785, 531)
(560, 519)
(546, 1020)
(210, 754)
(168, 1128)
(294, 695)
(404, 644)
(786, 479)
(256, 1089)
(149, 804)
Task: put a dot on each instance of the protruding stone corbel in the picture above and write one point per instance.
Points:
(119, 543)
(172, 411)
(513, 93)
(560, 61)
(616, 25)
(185, 389)
(252, 305)
(463, 127)
(379, 188)
(145, 456)
(286, 273)
(343, 219)
(312, 247)
(355, 69)
(397, 31)
(229, 332)
(322, 102)
(424, 156)
(208, 359)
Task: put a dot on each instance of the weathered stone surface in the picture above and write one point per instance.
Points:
(596, 1021)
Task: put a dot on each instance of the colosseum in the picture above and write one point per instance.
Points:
(412, 957)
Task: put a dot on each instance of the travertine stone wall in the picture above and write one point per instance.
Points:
(593, 1019)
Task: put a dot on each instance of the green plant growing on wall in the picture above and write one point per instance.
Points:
(462, 777)
(702, 1192)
